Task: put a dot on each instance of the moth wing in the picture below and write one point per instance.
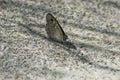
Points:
(54, 29)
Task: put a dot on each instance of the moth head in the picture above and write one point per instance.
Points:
(50, 19)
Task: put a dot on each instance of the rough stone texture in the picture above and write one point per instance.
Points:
(92, 51)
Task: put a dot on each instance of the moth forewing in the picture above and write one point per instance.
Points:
(53, 29)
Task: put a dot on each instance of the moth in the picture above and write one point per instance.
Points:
(54, 30)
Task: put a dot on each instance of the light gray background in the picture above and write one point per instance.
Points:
(92, 51)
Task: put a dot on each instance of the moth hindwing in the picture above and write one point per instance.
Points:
(54, 30)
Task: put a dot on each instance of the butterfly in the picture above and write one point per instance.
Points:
(54, 30)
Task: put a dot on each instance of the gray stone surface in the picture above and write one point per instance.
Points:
(92, 51)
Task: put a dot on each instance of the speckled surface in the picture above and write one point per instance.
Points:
(92, 51)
